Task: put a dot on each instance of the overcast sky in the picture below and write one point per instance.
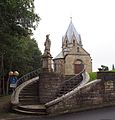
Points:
(93, 19)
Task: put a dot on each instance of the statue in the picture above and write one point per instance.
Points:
(47, 58)
(47, 45)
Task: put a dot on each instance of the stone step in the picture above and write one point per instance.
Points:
(31, 109)
(29, 88)
(29, 102)
(28, 99)
(28, 94)
(24, 93)
(69, 85)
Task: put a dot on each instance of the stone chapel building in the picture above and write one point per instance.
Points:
(73, 57)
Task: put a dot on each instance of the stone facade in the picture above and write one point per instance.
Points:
(73, 54)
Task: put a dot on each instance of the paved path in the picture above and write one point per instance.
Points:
(97, 114)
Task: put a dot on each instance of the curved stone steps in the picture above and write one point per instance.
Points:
(85, 80)
(25, 98)
(31, 109)
(69, 85)
(29, 94)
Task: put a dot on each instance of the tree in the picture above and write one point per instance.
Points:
(21, 53)
(18, 17)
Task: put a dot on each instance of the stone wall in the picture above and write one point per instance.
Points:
(48, 85)
(106, 75)
(71, 58)
(93, 95)
(59, 66)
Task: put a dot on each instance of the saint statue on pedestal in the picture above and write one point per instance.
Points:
(47, 45)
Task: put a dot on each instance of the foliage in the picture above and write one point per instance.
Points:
(21, 54)
(112, 70)
(18, 51)
(17, 17)
(93, 75)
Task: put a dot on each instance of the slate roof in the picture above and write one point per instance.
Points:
(71, 31)
(60, 55)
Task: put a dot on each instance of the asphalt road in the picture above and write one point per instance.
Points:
(97, 114)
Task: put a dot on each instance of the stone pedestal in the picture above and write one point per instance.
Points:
(47, 63)
(47, 58)
(49, 81)
(48, 86)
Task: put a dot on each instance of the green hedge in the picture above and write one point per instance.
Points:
(93, 76)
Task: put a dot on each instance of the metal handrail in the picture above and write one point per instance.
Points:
(69, 81)
(28, 76)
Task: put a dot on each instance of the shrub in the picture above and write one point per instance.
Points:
(93, 76)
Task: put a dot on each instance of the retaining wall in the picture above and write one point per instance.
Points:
(98, 93)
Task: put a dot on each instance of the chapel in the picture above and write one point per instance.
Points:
(73, 57)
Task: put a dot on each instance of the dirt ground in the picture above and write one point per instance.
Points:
(6, 112)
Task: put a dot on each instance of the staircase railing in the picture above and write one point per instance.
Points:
(28, 76)
(70, 84)
(15, 95)
(86, 78)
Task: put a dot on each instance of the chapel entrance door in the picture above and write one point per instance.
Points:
(78, 66)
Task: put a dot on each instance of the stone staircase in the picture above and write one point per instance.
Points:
(29, 94)
(25, 98)
(29, 100)
(31, 109)
(69, 85)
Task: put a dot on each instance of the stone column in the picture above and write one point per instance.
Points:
(47, 63)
